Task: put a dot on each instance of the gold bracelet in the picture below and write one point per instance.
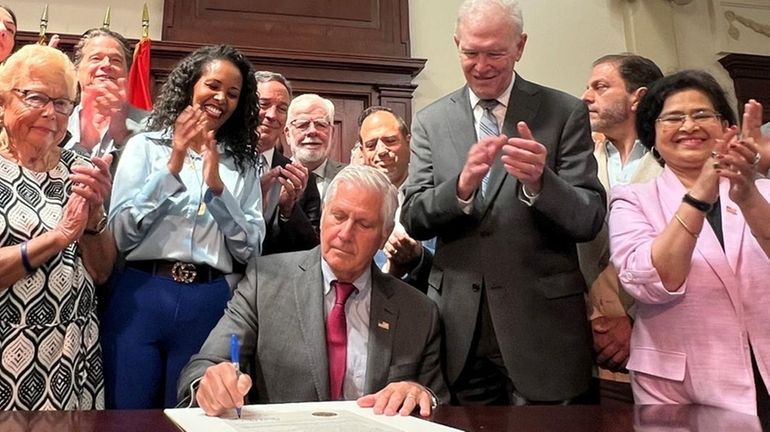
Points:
(684, 225)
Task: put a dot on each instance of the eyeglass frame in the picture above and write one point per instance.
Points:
(24, 94)
(326, 125)
(667, 121)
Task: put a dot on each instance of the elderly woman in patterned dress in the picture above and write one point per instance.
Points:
(53, 242)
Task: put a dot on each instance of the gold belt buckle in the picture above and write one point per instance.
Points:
(183, 272)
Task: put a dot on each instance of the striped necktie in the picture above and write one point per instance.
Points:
(488, 127)
(262, 165)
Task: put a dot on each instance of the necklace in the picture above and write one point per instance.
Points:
(191, 162)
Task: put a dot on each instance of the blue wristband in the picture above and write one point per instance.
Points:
(25, 258)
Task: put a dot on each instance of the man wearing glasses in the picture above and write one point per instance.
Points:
(309, 131)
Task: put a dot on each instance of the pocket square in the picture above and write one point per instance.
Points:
(384, 325)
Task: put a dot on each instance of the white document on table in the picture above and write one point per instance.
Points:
(307, 416)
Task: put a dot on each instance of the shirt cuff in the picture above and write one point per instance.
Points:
(466, 205)
(527, 198)
(193, 389)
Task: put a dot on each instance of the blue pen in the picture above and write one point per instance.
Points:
(235, 357)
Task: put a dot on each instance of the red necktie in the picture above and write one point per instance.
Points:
(337, 338)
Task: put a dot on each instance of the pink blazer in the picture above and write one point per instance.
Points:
(692, 346)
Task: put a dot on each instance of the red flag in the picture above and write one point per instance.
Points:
(139, 77)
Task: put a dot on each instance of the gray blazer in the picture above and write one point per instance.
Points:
(524, 257)
(278, 315)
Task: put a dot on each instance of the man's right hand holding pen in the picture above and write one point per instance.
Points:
(221, 390)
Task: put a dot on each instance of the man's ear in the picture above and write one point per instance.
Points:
(636, 96)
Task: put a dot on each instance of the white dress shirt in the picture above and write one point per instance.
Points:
(357, 312)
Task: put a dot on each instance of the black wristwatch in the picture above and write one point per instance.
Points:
(100, 226)
(698, 204)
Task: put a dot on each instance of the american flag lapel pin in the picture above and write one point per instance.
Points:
(384, 325)
(731, 210)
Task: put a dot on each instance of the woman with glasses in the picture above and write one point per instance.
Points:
(186, 205)
(692, 248)
(54, 245)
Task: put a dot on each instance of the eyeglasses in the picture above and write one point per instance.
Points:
(321, 125)
(702, 117)
(35, 99)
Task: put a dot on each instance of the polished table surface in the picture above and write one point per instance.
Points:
(477, 419)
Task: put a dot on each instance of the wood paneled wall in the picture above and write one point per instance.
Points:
(379, 27)
(354, 52)
(751, 76)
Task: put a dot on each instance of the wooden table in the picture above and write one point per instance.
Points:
(477, 419)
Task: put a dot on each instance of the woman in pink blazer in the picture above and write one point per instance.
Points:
(692, 248)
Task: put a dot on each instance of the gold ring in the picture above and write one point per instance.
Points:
(411, 396)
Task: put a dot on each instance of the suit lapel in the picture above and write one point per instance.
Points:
(383, 321)
(308, 299)
(733, 227)
(648, 169)
(461, 126)
(522, 106)
(600, 154)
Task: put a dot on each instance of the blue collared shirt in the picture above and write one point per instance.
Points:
(617, 173)
(357, 312)
(156, 215)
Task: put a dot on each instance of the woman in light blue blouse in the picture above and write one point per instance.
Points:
(186, 204)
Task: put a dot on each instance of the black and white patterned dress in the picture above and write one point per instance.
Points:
(49, 335)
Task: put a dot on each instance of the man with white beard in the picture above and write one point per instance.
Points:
(309, 131)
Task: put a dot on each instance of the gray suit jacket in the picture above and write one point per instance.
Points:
(524, 257)
(278, 315)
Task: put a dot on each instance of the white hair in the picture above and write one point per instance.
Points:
(511, 8)
(371, 179)
(307, 99)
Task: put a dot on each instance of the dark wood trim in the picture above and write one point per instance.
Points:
(353, 81)
(389, 70)
(751, 79)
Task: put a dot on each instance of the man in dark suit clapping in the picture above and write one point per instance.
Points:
(502, 173)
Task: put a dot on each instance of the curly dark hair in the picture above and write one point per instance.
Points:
(239, 133)
(652, 102)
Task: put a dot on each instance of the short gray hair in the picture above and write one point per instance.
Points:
(306, 99)
(511, 8)
(373, 180)
(267, 76)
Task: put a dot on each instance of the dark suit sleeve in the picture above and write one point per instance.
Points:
(311, 203)
(418, 276)
(240, 318)
(431, 374)
(572, 197)
(300, 231)
(429, 208)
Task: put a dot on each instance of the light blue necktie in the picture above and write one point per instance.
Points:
(488, 127)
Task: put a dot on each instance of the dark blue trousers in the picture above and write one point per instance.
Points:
(150, 329)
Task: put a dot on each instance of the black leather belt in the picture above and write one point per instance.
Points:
(181, 272)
